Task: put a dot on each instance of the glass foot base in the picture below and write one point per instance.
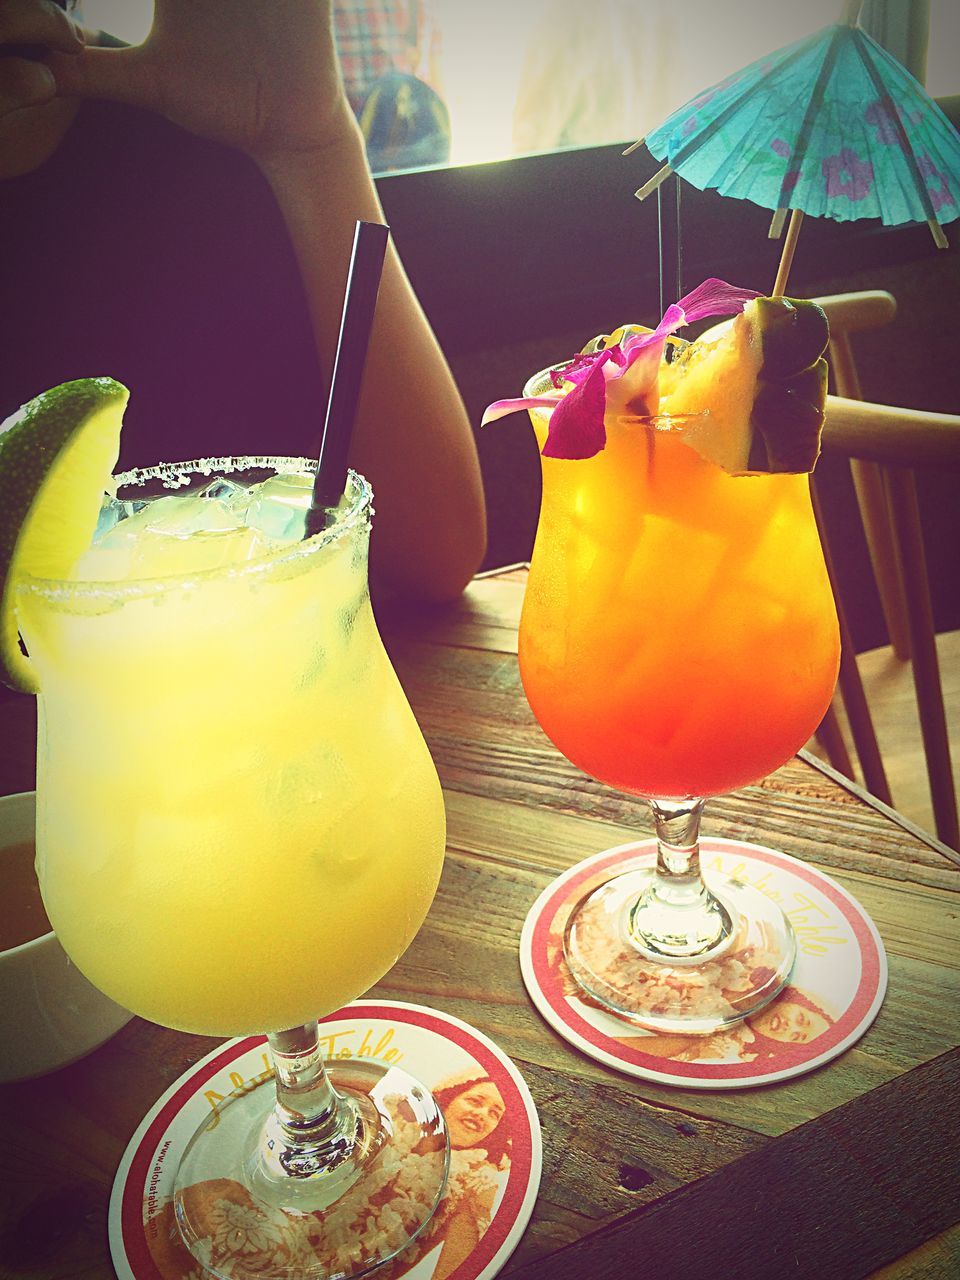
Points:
(244, 1210)
(728, 979)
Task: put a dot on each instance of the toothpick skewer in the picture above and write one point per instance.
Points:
(786, 257)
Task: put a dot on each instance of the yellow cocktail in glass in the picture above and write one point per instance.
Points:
(218, 742)
(239, 825)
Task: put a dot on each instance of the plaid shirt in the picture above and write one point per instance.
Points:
(373, 38)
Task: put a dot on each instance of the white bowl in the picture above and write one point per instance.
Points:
(50, 1014)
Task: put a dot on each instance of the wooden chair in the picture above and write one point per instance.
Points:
(850, 313)
(894, 443)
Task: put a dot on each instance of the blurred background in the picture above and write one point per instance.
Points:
(517, 78)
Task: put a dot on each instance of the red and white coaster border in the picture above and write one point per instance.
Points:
(585, 1035)
(128, 1247)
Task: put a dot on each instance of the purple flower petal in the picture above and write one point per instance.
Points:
(621, 379)
(500, 408)
(713, 298)
(638, 393)
(576, 424)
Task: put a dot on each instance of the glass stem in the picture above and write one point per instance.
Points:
(678, 880)
(677, 916)
(312, 1128)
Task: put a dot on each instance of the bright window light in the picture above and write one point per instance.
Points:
(522, 76)
(128, 20)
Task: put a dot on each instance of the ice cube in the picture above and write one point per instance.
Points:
(139, 516)
(181, 533)
(279, 505)
(114, 511)
(235, 497)
(295, 486)
(261, 543)
(158, 554)
(190, 514)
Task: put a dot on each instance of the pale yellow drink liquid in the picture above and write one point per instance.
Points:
(239, 826)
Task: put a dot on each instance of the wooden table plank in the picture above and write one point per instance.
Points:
(937, 1257)
(825, 1200)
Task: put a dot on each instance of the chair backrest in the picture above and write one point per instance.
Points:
(850, 313)
(887, 445)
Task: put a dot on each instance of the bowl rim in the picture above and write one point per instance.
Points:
(14, 800)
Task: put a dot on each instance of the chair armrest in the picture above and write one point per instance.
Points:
(887, 434)
(851, 312)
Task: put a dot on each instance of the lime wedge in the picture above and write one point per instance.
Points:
(57, 454)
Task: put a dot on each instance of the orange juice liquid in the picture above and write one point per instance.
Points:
(679, 635)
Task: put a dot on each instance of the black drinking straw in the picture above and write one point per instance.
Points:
(671, 261)
(356, 322)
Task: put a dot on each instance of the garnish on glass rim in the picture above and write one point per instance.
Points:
(622, 378)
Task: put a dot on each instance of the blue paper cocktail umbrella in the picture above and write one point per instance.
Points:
(832, 126)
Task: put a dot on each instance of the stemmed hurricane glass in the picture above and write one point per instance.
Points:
(240, 828)
(678, 640)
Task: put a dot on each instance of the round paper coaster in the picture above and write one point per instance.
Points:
(494, 1164)
(835, 991)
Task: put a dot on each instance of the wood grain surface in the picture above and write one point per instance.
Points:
(848, 1171)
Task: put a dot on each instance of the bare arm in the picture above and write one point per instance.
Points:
(412, 437)
(264, 78)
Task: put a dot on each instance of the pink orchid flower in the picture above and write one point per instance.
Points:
(622, 379)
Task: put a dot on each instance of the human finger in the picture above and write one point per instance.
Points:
(122, 75)
(38, 24)
(24, 83)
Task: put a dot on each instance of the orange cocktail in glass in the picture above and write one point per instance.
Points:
(679, 634)
(679, 637)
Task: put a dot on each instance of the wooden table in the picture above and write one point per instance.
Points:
(849, 1171)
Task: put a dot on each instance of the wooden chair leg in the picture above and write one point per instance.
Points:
(831, 739)
(861, 722)
(874, 509)
(902, 493)
(851, 686)
(875, 515)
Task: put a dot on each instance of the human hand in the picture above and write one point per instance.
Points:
(32, 118)
(32, 27)
(261, 77)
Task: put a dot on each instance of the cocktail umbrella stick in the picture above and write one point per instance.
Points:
(786, 256)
